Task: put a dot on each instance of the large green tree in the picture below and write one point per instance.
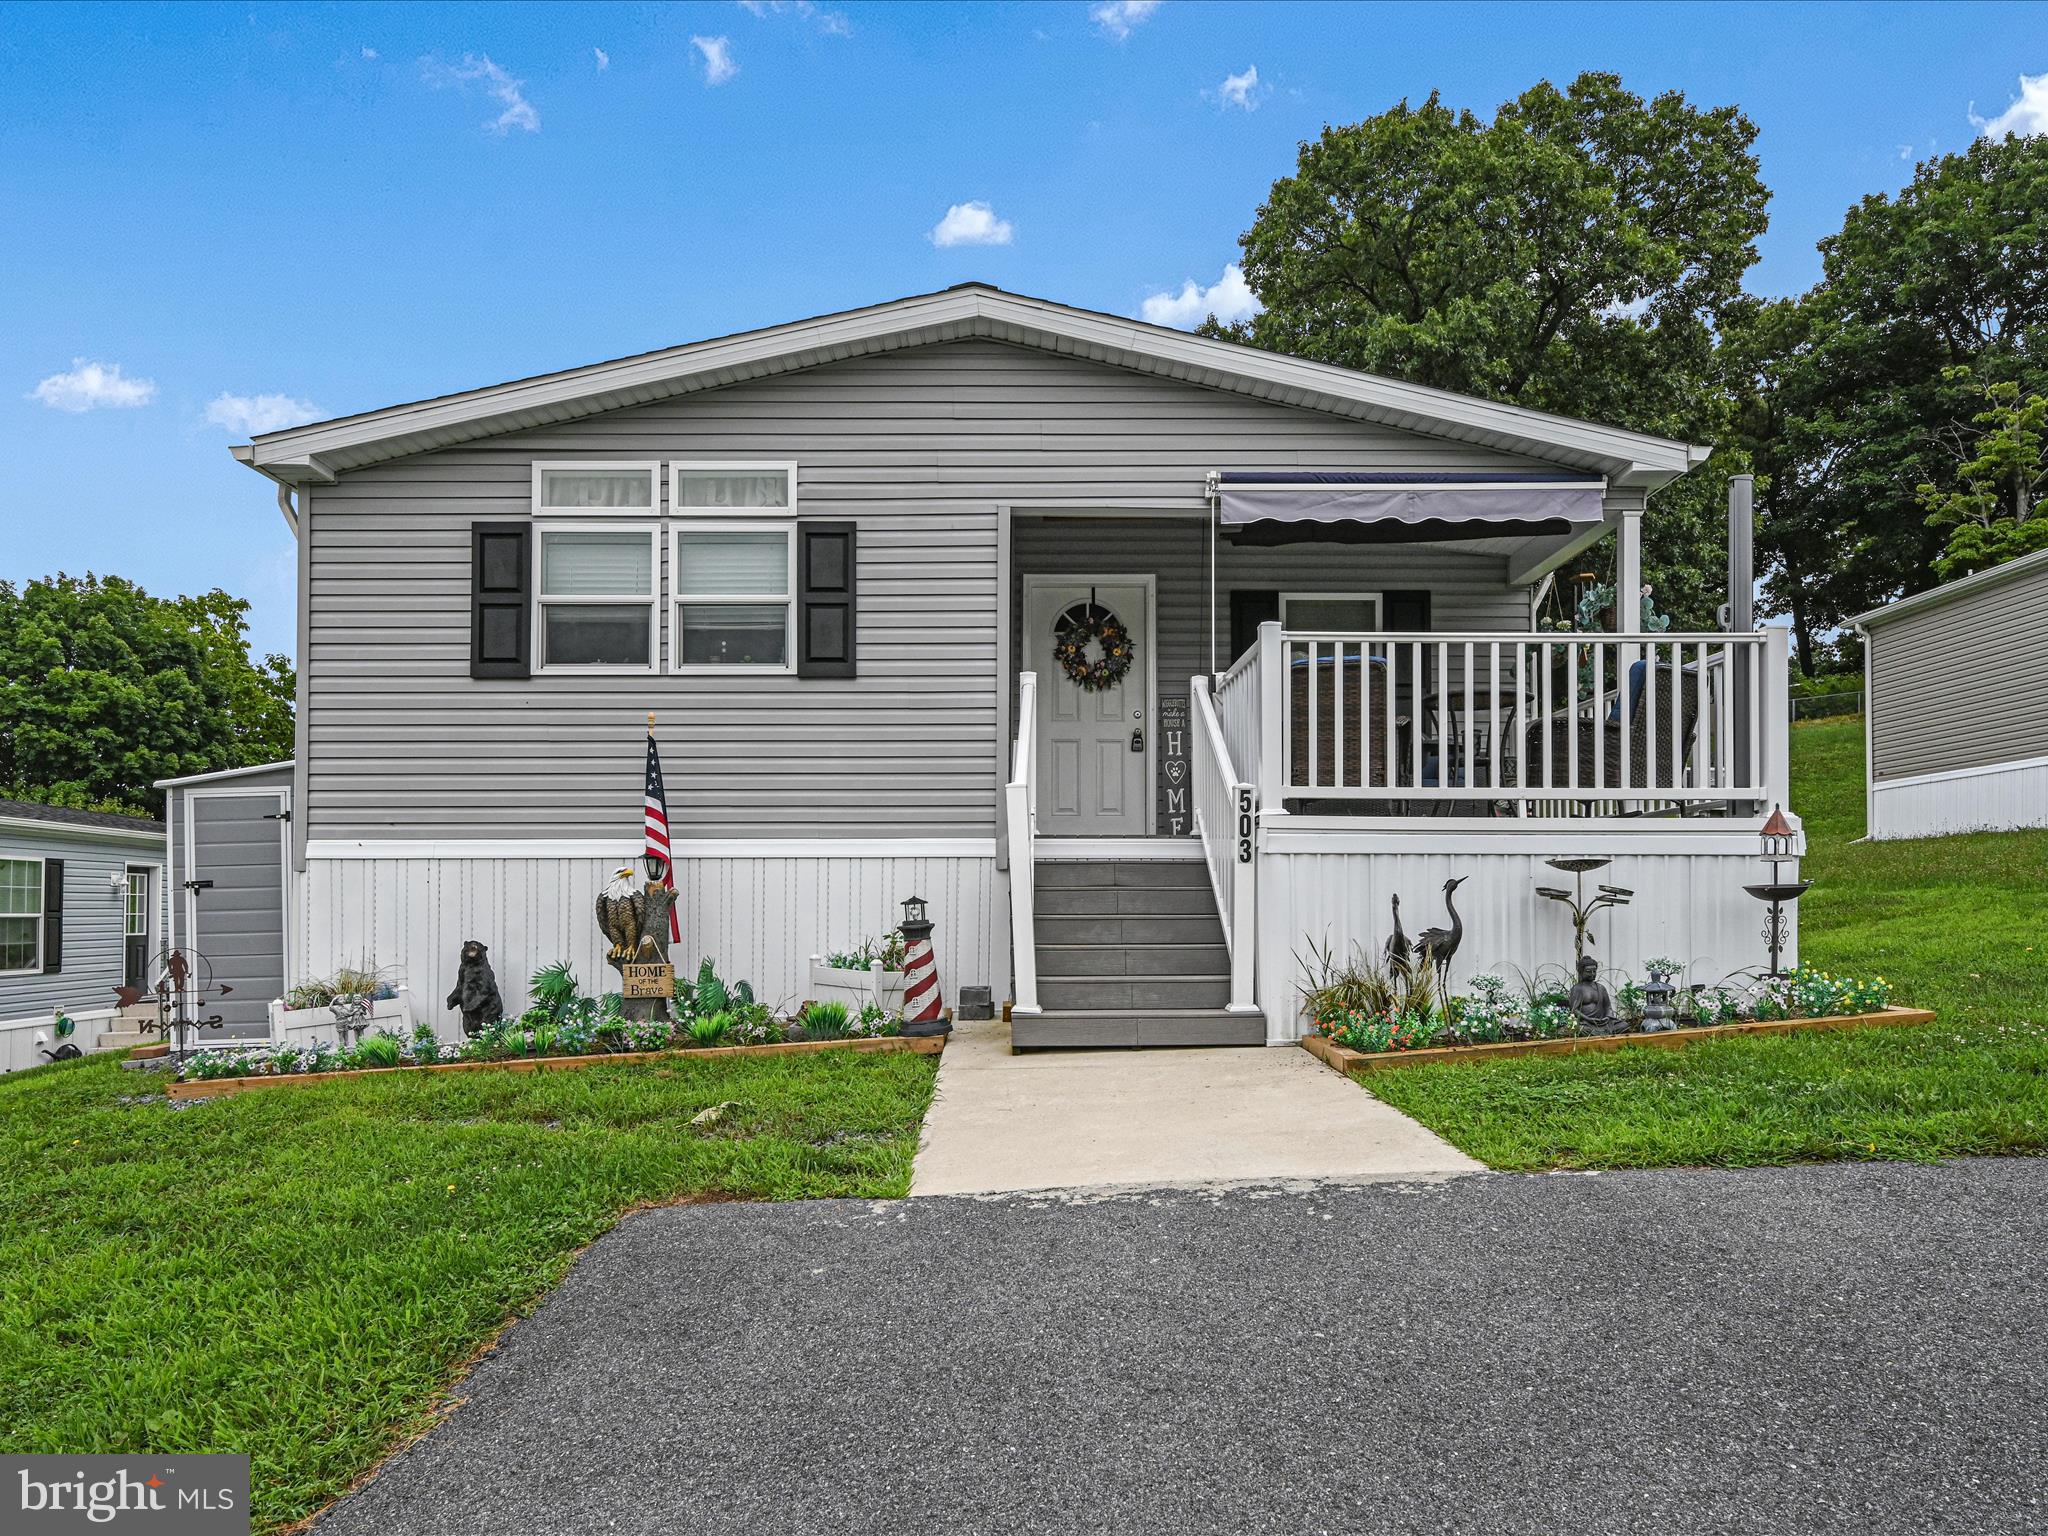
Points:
(104, 689)
(1856, 394)
(1574, 254)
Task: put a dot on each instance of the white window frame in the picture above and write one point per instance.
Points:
(651, 529)
(679, 467)
(1379, 607)
(42, 912)
(786, 526)
(650, 467)
(131, 874)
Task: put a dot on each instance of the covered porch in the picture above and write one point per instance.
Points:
(1327, 718)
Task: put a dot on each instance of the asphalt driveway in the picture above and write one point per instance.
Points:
(1846, 1348)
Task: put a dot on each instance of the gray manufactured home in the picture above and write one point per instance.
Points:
(1956, 705)
(997, 602)
(81, 913)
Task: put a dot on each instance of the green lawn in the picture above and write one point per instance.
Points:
(300, 1273)
(1958, 924)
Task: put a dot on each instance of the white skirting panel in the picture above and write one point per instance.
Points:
(759, 917)
(1998, 798)
(1690, 907)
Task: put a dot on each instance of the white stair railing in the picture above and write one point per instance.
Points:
(1226, 818)
(1020, 810)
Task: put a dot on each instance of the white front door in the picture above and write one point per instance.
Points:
(1092, 742)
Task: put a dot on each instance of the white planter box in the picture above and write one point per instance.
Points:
(304, 1026)
(832, 983)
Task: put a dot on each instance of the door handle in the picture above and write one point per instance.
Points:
(1138, 740)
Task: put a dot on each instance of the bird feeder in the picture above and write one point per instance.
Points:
(1780, 842)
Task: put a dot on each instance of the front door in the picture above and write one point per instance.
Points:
(1093, 735)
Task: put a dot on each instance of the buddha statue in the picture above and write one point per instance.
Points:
(1591, 1003)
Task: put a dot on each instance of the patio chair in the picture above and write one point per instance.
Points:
(1649, 730)
(1363, 744)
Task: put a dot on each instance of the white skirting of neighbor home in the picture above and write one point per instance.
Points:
(1688, 906)
(1996, 797)
(760, 915)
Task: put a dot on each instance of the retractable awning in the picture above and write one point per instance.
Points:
(1275, 504)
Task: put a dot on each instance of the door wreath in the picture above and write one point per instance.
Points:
(1087, 624)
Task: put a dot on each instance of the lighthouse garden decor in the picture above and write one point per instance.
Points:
(924, 1010)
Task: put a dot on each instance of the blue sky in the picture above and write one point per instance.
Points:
(249, 214)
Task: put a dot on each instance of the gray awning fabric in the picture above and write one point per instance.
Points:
(1440, 501)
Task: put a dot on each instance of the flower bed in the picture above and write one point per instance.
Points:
(205, 1087)
(1344, 1059)
(1361, 1011)
(563, 1025)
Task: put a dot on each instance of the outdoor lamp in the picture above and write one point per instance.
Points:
(654, 864)
(913, 910)
(1778, 836)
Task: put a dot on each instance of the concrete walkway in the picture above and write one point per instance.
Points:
(1156, 1119)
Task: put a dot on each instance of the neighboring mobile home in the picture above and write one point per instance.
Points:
(848, 562)
(1955, 704)
(81, 913)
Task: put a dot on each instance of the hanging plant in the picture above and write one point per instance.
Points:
(1085, 625)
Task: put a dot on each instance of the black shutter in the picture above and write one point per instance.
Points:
(1405, 612)
(53, 916)
(500, 600)
(826, 609)
(1249, 608)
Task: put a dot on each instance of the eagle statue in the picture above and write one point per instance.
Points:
(622, 916)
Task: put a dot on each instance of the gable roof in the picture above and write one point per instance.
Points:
(1949, 592)
(22, 811)
(320, 451)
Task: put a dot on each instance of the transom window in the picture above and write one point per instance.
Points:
(722, 487)
(21, 914)
(1325, 613)
(732, 585)
(596, 597)
(604, 487)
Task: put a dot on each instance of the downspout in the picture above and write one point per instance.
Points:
(284, 505)
(1536, 596)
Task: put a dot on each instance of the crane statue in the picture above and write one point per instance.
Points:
(1434, 947)
(1400, 954)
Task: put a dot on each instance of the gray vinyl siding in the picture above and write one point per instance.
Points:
(178, 803)
(94, 957)
(922, 447)
(1962, 684)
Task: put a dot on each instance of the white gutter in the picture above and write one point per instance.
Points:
(284, 505)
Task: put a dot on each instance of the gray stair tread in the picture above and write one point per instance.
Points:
(1126, 1027)
(1224, 975)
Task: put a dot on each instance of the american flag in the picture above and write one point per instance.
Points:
(657, 834)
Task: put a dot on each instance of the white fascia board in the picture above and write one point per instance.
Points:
(322, 449)
(625, 851)
(140, 838)
(221, 773)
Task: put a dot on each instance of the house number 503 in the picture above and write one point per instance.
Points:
(1244, 825)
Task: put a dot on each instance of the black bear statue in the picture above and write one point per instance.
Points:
(476, 989)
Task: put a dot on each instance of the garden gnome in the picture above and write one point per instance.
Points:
(1591, 1003)
(923, 1007)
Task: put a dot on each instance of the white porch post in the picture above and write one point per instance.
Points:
(1272, 770)
(1628, 573)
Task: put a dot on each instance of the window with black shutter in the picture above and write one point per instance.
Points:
(500, 600)
(826, 601)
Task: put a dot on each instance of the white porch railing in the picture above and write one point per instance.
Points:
(1529, 725)
(1020, 810)
(1226, 818)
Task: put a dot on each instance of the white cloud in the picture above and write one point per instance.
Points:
(500, 86)
(971, 224)
(92, 386)
(832, 22)
(2026, 116)
(1118, 17)
(1241, 90)
(1229, 299)
(718, 64)
(370, 54)
(253, 415)
(604, 60)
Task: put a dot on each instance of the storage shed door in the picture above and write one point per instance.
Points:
(236, 925)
